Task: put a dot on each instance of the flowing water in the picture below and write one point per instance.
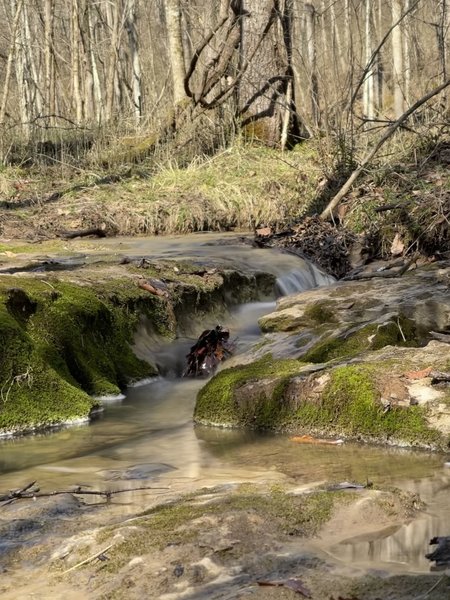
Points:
(148, 436)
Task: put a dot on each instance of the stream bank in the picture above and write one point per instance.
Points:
(68, 327)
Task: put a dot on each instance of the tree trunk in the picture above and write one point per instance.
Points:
(11, 54)
(369, 87)
(21, 70)
(397, 60)
(48, 58)
(310, 23)
(130, 26)
(75, 51)
(36, 96)
(175, 39)
(96, 85)
(113, 22)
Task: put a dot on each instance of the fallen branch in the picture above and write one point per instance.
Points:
(383, 274)
(15, 494)
(89, 559)
(28, 492)
(442, 337)
(328, 212)
(97, 231)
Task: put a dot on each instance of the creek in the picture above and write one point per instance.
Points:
(148, 438)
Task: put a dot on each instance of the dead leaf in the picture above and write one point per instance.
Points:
(264, 231)
(397, 246)
(292, 584)
(419, 374)
(309, 439)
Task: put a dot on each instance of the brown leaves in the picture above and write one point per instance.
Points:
(309, 439)
(419, 374)
(292, 584)
(317, 240)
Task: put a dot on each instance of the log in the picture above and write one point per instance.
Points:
(328, 211)
(96, 231)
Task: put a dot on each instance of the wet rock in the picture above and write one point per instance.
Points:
(143, 471)
(354, 346)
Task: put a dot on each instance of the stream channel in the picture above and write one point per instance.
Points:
(148, 437)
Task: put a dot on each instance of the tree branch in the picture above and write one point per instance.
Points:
(388, 133)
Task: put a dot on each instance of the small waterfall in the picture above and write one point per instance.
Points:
(302, 279)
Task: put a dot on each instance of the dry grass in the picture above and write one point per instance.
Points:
(240, 188)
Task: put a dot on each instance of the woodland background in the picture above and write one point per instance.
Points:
(84, 73)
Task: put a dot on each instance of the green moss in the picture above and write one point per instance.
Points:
(32, 392)
(350, 404)
(73, 343)
(215, 401)
(178, 523)
(320, 312)
(371, 337)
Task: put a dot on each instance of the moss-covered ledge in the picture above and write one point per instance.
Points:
(371, 401)
(67, 335)
(62, 344)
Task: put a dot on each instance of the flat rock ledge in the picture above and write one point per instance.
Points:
(365, 360)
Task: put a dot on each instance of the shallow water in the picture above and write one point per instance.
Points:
(149, 437)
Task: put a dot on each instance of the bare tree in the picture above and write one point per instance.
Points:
(397, 60)
(9, 64)
(49, 18)
(310, 34)
(130, 26)
(175, 39)
(75, 53)
(369, 81)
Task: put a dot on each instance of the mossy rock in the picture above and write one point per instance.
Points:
(298, 316)
(402, 332)
(282, 396)
(69, 344)
(217, 403)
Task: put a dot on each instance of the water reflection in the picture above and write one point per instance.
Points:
(407, 546)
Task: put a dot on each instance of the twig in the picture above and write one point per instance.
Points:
(400, 328)
(23, 493)
(438, 582)
(87, 560)
(388, 207)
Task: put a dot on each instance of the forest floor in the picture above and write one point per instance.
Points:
(398, 208)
